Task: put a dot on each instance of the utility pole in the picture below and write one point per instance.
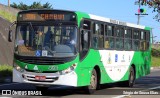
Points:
(8, 3)
(137, 2)
(138, 15)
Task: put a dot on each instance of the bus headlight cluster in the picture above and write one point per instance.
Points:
(68, 70)
(18, 68)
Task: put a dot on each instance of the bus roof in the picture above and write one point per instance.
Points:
(109, 20)
(94, 17)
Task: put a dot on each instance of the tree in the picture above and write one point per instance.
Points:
(35, 5)
(155, 4)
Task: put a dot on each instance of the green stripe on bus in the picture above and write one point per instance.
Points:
(147, 28)
(81, 15)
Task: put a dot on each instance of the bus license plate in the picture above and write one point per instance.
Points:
(40, 78)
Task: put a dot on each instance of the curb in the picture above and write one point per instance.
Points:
(155, 68)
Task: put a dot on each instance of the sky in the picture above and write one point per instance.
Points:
(123, 10)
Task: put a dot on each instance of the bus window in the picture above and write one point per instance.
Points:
(147, 39)
(142, 35)
(95, 42)
(136, 40)
(109, 42)
(110, 31)
(127, 44)
(135, 45)
(101, 37)
(109, 37)
(128, 33)
(142, 41)
(148, 36)
(127, 39)
(136, 34)
(86, 25)
(119, 33)
(97, 28)
(119, 43)
(102, 30)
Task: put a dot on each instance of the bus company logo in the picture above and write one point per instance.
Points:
(109, 58)
(141, 11)
(26, 67)
(116, 57)
(35, 67)
(123, 58)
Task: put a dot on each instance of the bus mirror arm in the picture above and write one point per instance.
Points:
(10, 35)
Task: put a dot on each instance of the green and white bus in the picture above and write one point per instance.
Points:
(71, 48)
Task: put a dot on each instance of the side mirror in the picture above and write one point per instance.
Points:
(10, 36)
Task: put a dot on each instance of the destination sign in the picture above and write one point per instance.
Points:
(43, 16)
(118, 22)
(46, 16)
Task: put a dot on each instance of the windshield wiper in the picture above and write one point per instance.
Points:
(32, 27)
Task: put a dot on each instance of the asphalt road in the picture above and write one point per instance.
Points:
(145, 87)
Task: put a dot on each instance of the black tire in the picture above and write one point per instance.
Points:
(130, 82)
(93, 83)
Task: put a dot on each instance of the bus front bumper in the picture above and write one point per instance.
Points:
(69, 79)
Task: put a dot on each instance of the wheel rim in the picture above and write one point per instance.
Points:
(131, 77)
(93, 81)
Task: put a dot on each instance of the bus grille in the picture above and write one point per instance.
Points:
(32, 78)
(44, 60)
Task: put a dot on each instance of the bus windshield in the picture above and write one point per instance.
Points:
(46, 41)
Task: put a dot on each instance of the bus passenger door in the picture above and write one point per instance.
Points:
(84, 43)
(84, 38)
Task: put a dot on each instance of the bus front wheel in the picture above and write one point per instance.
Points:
(93, 82)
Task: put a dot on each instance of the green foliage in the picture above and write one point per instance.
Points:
(155, 52)
(35, 5)
(155, 61)
(5, 70)
(7, 16)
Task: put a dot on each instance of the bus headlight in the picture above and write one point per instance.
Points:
(68, 70)
(18, 68)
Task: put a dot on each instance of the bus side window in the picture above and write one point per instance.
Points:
(95, 42)
(109, 37)
(96, 28)
(127, 39)
(101, 37)
(147, 39)
(119, 33)
(143, 40)
(86, 25)
(136, 40)
(98, 36)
